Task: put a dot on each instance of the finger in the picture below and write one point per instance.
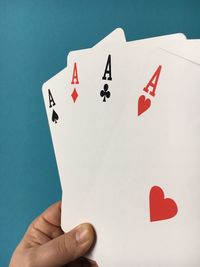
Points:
(66, 248)
(49, 221)
(44, 228)
(53, 214)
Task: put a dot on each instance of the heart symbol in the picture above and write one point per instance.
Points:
(143, 104)
(161, 208)
(55, 116)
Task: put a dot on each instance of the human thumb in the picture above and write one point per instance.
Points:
(66, 248)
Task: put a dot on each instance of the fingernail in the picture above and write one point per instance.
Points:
(82, 234)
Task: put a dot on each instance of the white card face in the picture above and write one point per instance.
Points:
(190, 50)
(118, 37)
(73, 149)
(61, 96)
(91, 120)
(58, 94)
(160, 147)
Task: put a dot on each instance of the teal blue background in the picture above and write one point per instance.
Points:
(35, 38)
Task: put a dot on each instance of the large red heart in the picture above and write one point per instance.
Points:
(161, 208)
(143, 104)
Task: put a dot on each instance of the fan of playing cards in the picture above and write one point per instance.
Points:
(125, 124)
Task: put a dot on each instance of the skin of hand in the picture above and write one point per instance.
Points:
(46, 245)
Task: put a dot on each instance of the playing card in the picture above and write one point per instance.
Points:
(80, 142)
(91, 119)
(55, 93)
(145, 201)
(189, 50)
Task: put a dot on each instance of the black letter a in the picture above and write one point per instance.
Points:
(108, 70)
(51, 100)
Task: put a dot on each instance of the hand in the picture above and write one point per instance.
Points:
(46, 245)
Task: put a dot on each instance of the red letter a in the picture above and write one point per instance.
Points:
(153, 82)
(75, 75)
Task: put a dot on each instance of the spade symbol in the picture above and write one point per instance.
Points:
(55, 116)
(105, 93)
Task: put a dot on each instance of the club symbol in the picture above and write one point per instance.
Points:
(55, 116)
(105, 93)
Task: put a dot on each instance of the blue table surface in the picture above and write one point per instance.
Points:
(35, 38)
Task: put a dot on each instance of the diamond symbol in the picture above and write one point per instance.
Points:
(74, 95)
